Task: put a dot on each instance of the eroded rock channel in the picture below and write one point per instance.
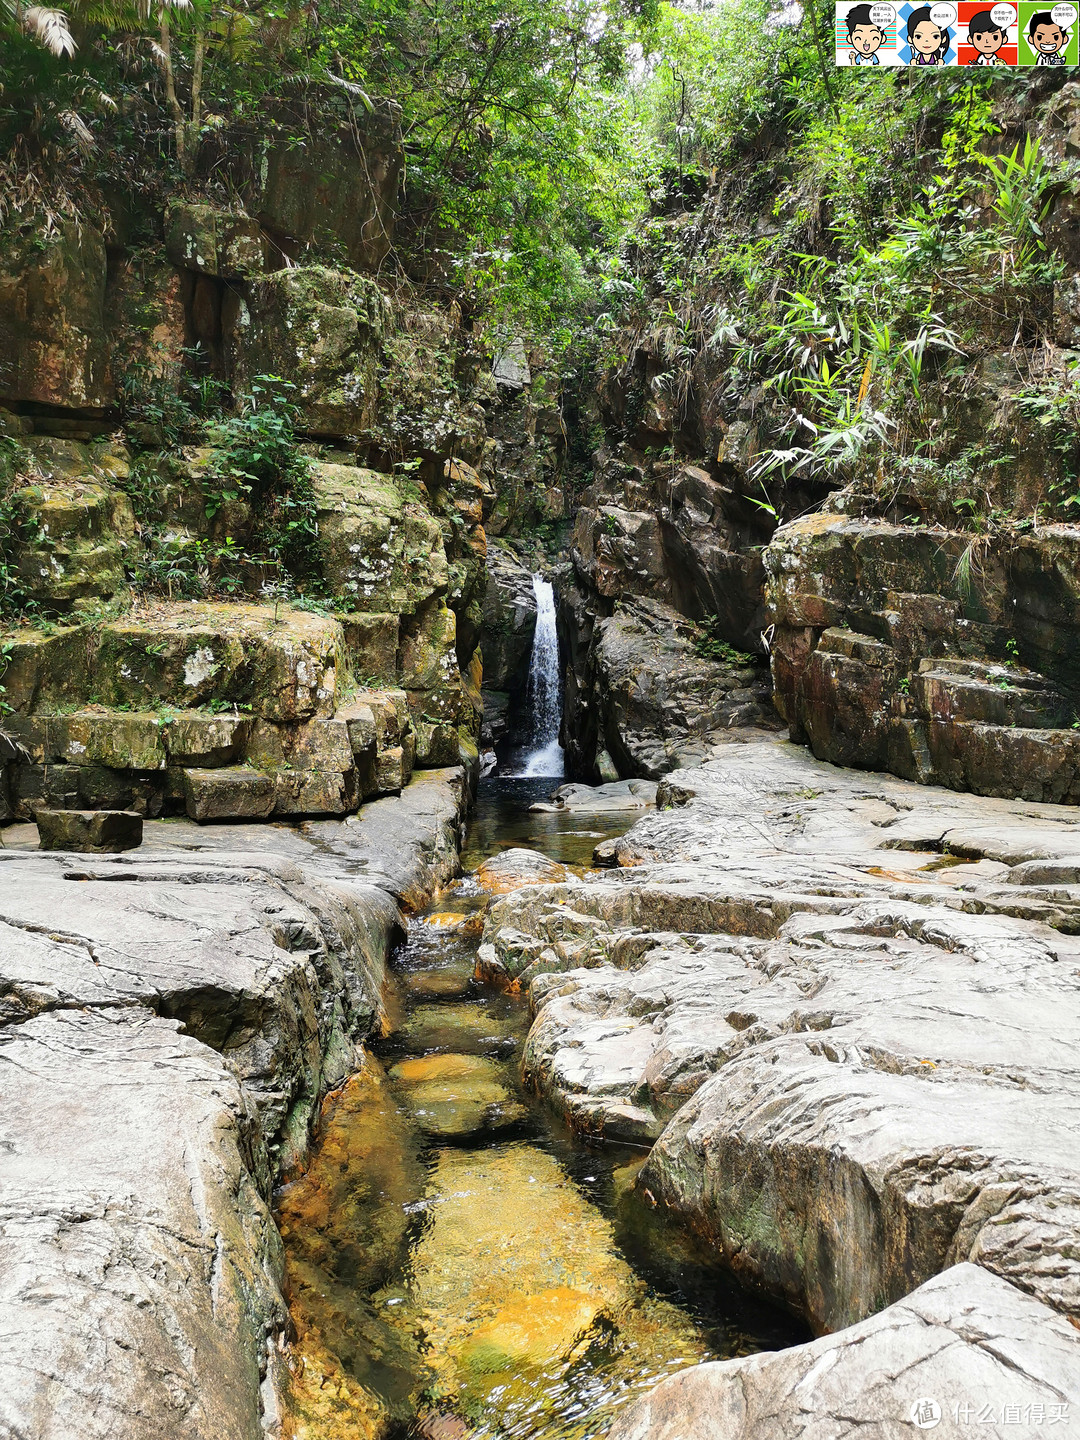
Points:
(458, 1262)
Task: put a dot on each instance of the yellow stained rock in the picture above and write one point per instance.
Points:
(512, 869)
(444, 920)
(438, 983)
(531, 1330)
(456, 1094)
(322, 1404)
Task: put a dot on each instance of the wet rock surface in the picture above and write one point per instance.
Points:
(170, 1019)
(457, 1264)
(964, 1345)
(516, 867)
(509, 619)
(614, 796)
(843, 1007)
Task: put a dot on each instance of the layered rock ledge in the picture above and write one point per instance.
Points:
(170, 1019)
(842, 1010)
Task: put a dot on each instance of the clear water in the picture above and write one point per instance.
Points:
(460, 1264)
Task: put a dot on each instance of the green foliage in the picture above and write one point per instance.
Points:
(257, 476)
(849, 348)
(514, 118)
(1053, 403)
(709, 644)
(256, 458)
(14, 527)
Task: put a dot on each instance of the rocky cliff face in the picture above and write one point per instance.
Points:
(137, 565)
(918, 619)
(882, 658)
(661, 612)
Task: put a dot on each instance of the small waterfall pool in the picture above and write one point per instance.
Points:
(541, 753)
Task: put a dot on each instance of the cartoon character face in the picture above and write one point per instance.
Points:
(988, 42)
(1048, 39)
(927, 38)
(866, 39)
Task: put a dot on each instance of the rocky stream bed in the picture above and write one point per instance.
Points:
(802, 1061)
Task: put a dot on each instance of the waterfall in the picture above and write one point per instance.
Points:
(543, 696)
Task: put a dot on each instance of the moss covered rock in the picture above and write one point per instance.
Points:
(380, 545)
(234, 793)
(52, 319)
(281, 664)
(211, 241)
(322, 329)
(75, 523)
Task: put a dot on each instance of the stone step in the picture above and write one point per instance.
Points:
(989, 693)
(1029, 763)
(990, 671)
(218, 766)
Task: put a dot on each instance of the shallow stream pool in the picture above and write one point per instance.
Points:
(458, 1263)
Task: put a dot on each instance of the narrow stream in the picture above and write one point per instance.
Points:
(458, 1263)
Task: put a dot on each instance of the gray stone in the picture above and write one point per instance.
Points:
(171, 1021)
(509, 620)
(138, 1280)
(100, 831)
(661, 704)
(845, 1005)
(236, 792)
(616, 796)
(967, 1342)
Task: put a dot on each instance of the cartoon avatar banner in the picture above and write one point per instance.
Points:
(957, 32)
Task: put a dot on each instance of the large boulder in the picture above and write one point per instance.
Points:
(282, 663)
(509, 620)
(380, 546)
(52, 320)
(617, 795)
(74, 523)
(662, 703)
(223, 243)
(511, 869)
(94, 831)
(965, 1349)
(320, 327)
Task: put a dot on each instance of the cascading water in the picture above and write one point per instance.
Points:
(543, 693)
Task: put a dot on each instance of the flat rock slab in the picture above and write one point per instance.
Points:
(846, 1006)
(406, 845)
(617, 796)
(964, 1354)
(99, 832)
(170, 1020)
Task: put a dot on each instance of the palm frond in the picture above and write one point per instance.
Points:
(50, 29)
(77, 128)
